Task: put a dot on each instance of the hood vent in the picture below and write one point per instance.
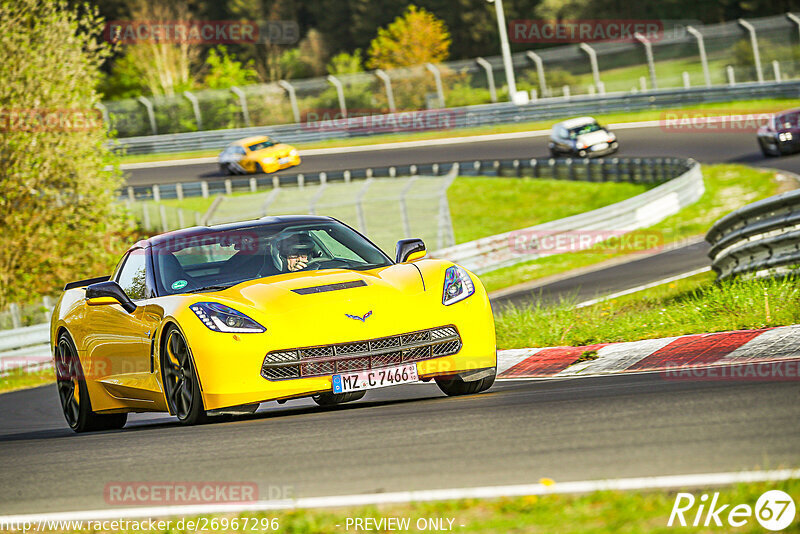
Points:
(328, 287)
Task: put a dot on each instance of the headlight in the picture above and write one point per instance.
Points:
(786, 136)
(270, 159)
(293, 152)
(457, 285)
(221, 318)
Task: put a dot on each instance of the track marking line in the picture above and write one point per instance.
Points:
(402, 497)
(636, 289)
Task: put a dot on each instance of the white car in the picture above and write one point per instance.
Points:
(582, 137)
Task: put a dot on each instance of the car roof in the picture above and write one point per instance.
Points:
(264, 221)
(576, 122)
(787, 111)
(250, 140)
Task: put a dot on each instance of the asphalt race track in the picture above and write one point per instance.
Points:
(413, 437)
(716, 147)
(410, 437)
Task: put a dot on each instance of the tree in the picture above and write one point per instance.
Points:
(57, 203)
(414, 38)
(344, 63)
(225, 71)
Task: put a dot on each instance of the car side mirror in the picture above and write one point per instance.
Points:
(109, 292)
(409, 250)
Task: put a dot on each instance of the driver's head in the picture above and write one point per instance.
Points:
(295, 250)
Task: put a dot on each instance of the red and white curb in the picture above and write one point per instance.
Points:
(691, 351)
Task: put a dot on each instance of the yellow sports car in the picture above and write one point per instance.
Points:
(218, 319)
(257, 154)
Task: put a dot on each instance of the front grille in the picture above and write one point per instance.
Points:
(361, 355)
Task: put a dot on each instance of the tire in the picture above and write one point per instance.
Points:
(225, 169)
(181, 386)
(74, 395)
(454, 386)
(331, 399)
(767, 152)
(260, 169)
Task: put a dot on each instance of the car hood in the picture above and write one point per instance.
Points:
(593, 138)
(335, 290)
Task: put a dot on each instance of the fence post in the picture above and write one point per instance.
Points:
(489, 77)
(566, 92)
(648, 50)
(179, 190)
(156, 193)
(150, 113)
(243, 104)
(446, 235)
(593, 61)
(362, 219)
(437, 76)
(794, 18)
(196, 108)
(776, 70)
(145, 215)
(47, 304)
(643, 83)
(289, 88)
(754, 43)
(347, 176)
(253, 185)
(131, 195)
(404, 207)
(340, 92)
(387, 83)
(731, 75)
(687, 83)
(537, 60)
(228, 186)
(701, 47)
(276, 182)
(16, 318)
(204, 188)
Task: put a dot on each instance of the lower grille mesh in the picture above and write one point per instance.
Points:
(361, 355)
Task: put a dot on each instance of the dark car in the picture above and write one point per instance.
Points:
(582, 137)
(781, 135)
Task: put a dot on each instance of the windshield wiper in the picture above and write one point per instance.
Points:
(211, 288)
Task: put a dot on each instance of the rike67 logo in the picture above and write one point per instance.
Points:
(774, 510)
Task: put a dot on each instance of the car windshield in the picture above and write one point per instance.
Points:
(585, 129)
(262, 145)
(788, 120)
(210, 259)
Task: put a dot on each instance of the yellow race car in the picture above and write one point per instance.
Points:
(257, 154)
(218, 319)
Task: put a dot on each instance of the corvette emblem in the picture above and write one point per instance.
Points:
(361, 318)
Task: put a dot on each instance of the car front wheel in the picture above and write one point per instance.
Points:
(181, 386)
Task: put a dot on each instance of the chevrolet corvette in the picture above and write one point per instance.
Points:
(219, 319)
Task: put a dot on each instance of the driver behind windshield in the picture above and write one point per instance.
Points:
(295, 250)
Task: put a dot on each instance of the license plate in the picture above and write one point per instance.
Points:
(601, 146)
(283, 160)
(376, 378)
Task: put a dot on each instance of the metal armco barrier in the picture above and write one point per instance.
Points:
(682, 188)
(761, 238)
(463, 117)
(636, 170)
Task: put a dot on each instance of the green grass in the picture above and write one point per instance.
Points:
(480, 207)
(689, 306)
(728, 187)
(764, 105)
(19, 379)
(598, 512)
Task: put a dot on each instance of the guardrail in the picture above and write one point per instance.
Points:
(761, 238)
(684, 187)
(637, 170)
(463, 117)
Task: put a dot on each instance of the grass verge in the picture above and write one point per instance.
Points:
(727, 187)
(766, 105)
(598, 512)
(20, 379)
(690, 306)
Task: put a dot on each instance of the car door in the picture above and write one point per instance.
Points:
(118, 346)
